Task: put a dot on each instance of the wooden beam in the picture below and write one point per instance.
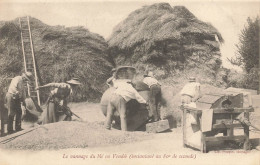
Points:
(220, 126)
(222, 138)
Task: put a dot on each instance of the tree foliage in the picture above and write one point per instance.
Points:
(248, 47)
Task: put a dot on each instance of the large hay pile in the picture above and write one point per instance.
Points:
(173, 43)
(61, 53)
(165, 38)
(63, 135)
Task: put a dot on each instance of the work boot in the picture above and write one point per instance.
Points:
(18, 129)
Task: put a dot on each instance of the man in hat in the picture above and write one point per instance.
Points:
(155, 94)
(57, 109)
(15, 98)
(190, 92)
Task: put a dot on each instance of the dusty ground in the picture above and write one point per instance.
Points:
(92, 136)
(91, 133)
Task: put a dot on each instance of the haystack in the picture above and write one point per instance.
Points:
(165, 38)
(61, 52)
(173, 43)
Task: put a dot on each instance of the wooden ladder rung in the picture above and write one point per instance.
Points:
(28, 52)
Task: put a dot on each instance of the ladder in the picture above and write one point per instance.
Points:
(29, 57)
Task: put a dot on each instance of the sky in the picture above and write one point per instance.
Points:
(229, 17)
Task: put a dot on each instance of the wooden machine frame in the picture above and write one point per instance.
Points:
(227, 135)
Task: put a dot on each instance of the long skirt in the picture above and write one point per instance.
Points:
(53, 114)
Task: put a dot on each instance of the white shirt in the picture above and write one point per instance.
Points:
(127, 91)
(150, 81)
(17, 87)
(192, 89)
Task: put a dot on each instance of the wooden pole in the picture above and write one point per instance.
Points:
(259, 57)
(24, 58)
(34, 63)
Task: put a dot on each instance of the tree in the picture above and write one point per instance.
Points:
(247, 55)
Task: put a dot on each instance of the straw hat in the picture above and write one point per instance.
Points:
(28, 76)
(192, 79)
(74, 81)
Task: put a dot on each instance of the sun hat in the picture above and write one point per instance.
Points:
(28, 76)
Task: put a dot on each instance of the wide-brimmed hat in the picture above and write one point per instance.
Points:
(192, 79)
(74, 81)
(28, 76)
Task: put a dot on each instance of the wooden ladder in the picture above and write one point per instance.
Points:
(29, 57)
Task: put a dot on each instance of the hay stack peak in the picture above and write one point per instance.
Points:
(164, 36)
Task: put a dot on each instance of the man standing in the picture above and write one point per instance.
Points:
(57, 109)
(14, 98)
(190, 92)
(154, 96)
(124, 92)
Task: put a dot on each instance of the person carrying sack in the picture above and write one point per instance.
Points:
(15, 100)
(124, 92)
(57, 109)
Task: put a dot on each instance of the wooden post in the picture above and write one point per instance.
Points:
(258, 91)
(2, 122)
(184, 126)
(203, 147)
(246, 132)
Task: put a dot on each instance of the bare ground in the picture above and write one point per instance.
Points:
(91, 133)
